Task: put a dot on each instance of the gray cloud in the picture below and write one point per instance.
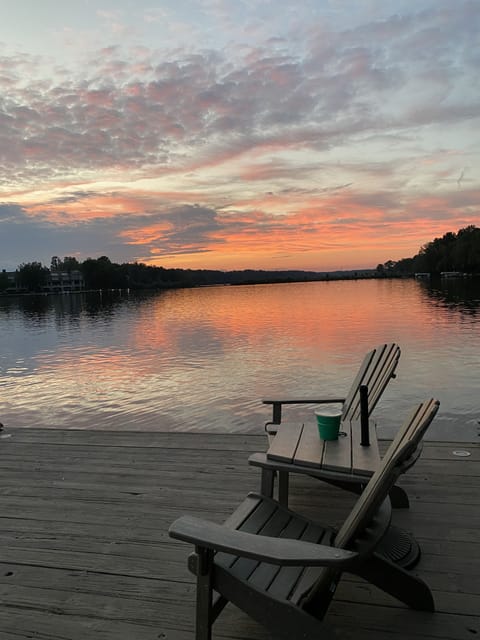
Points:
(24, 238)
(11, 214)
(178, 230)
(190, 230)
(127, 114)
(74, 196)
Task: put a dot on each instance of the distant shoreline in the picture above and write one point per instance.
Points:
(253, 278)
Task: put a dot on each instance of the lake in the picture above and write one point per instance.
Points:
(201, 359)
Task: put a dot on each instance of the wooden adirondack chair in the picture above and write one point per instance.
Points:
(282, 569)
(377, 369)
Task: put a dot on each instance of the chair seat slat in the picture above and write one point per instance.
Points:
(283, 449)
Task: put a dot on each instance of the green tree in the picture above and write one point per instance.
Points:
(32, 275)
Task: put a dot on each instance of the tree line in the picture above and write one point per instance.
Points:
(452, 252)
(102, 273)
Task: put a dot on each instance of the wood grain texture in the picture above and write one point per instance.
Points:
(84, 550)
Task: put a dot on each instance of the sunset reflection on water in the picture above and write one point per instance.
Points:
(202, 358)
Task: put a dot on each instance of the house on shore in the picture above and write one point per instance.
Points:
(56, 282)
(64, 281)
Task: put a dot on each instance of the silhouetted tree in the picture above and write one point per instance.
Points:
(101, 273)
(4, 284)
(32, 275)
(452, 252)
(69, 264)
(466, 252)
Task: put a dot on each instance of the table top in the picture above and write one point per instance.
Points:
(299, 444)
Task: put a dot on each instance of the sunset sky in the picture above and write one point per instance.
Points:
(233, 134)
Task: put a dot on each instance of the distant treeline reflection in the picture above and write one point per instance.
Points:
(459, 294)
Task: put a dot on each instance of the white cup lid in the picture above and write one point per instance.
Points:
(328, 411)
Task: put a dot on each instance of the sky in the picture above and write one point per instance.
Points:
(237, 134)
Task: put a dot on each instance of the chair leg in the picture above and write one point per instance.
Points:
(204, 613)
(397, 582)
(399, 498)
(283, 488)
(267, 482)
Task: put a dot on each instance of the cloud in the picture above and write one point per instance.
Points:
(284, 138)
(11, 213)
(73, 197)
(24, 238)
(185, 229)
(134, 115)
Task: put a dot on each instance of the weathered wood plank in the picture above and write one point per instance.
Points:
(22, 622)
(165, 440)
(144, 608)
(399, 623)
(448, 601)
(84, 549)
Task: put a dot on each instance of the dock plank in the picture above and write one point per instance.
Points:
(84, 549)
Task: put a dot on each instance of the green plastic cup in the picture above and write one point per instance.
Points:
(328, 422)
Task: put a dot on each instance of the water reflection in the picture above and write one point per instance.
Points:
(66, 306)
(459, 294)
(202, 358)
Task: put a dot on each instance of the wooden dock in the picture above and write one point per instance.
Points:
(85, 555)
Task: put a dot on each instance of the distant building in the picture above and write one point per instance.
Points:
(12, 284)
(57, 282)
(64, 281)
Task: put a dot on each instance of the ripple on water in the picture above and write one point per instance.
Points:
(202, 359)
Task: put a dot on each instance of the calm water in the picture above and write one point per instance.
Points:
(201, 359)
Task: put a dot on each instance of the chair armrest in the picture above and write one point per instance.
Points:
(303, 400)
(279, 551)
(277, 405)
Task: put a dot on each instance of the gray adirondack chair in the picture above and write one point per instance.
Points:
(282, 569)
(377, 369)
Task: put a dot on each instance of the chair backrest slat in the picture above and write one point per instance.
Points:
(401, 449)
(377, 368)
(395, 462)
(382, 375)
